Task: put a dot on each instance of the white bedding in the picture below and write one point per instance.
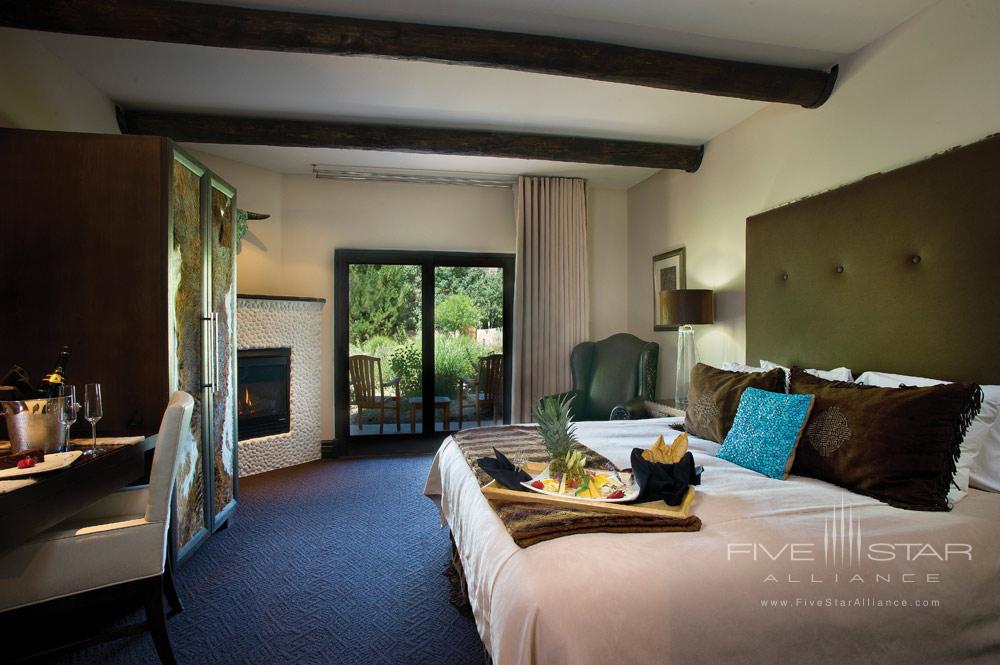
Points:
(701, 598)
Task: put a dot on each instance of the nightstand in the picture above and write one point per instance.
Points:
(663, 408)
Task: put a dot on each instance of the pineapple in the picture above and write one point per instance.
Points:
(559, 435)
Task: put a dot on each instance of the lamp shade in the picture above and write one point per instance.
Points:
(690, 306)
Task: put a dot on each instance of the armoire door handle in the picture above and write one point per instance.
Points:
(209, 371)
(215, 352)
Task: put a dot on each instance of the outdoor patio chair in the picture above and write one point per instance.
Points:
(369, 390)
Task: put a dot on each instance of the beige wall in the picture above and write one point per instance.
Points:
(40, 91)
(292, 253)
(608, 240)
(323, 215)
(931, 84)
(259, 263)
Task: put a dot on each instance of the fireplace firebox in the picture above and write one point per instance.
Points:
(264, 378)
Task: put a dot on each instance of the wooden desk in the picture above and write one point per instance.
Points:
(443, 403)
(29, 510)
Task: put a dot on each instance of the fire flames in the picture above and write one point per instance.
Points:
(246, 404)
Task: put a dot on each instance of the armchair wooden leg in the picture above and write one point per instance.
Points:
(381, 417)
(170, 589)
(157, 621)
(479, 422)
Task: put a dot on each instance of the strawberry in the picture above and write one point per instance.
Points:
(617, 494)
(538, 485)
(25, 463)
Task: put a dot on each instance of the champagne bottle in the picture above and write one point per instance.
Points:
(18, 380)
(51, 384)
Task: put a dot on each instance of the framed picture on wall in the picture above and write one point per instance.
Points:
(669, 274)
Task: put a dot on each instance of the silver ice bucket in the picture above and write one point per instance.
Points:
(36, 423)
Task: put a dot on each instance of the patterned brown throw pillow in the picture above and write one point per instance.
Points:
(898, 445)
(715, 395)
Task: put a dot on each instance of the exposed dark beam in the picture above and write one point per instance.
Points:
(236, 27)
(309, 134)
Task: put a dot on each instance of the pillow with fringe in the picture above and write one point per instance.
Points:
(898, 445)
(979, 464)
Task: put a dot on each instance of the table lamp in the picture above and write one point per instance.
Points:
(686, 308)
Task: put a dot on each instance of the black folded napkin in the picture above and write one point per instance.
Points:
(669, 482)
(504, 472)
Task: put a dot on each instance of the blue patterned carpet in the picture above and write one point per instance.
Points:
(328, 562)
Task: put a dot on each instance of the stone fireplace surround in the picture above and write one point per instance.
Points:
(285, 321)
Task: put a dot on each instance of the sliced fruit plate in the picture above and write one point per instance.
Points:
(598, 485)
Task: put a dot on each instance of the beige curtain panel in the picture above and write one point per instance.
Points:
(551, 304)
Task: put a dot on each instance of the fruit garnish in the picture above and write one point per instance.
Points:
(25, 463)
(550, 484)
(555, 424)
(538, 485)
(11, 461)
(618, 494)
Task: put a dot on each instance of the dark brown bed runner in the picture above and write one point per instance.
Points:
(530, 523)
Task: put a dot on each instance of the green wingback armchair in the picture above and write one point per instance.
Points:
(613, 377)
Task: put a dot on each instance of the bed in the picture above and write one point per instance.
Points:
(870, 276)
(716, 596)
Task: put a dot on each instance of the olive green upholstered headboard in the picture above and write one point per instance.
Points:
(899, 272)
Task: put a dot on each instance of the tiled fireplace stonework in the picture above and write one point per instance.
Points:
(295, 323)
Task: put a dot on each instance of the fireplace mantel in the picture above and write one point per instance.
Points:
(249, 296)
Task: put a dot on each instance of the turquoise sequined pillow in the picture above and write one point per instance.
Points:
(766, 430)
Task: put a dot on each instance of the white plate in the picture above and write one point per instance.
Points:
(53, 462)
(630, 495)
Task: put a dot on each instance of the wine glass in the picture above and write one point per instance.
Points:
(93, 410)
(70, 410)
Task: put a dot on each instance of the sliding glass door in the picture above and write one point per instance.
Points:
(384, 334)
(421, 342)
(468, 344)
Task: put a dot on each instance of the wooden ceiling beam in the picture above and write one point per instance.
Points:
(196, 128)
(268, 30)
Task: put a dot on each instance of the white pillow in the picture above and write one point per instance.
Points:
(985, 473)
(886, 380)
(837, 374)
(730, 366)
(979, 460)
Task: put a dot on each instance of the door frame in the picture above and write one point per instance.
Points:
(344, 443)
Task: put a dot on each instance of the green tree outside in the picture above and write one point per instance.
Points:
(456, 314)
(384, 301)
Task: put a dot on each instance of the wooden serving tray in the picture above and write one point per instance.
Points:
(501, 494)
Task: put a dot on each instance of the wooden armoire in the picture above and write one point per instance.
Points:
(124, 248)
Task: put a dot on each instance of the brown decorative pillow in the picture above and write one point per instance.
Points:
(715, 396)
(898, 445)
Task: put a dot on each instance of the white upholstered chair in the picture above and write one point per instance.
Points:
(120, 540)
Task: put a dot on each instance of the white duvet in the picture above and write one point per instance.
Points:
(794, 571)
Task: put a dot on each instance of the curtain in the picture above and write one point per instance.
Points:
(551, 303)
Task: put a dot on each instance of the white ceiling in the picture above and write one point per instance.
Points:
(809, 33)
(814, 33)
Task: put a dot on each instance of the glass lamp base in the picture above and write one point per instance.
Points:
(687, 357)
